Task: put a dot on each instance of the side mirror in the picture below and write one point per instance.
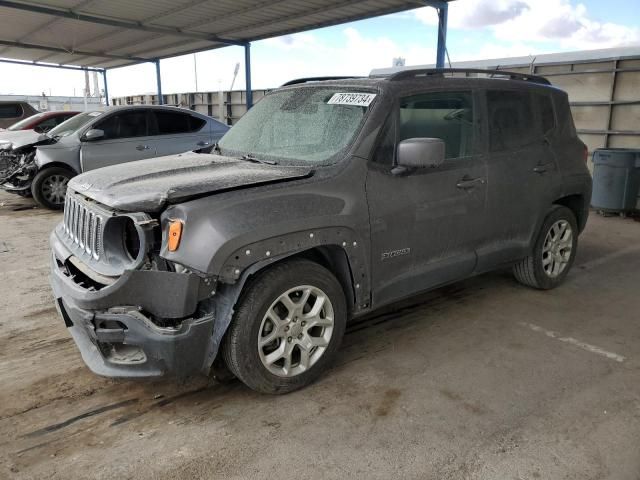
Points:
(420, 153)
(93, 134)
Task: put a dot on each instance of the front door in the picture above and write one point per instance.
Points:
(126, 138)
(426, 223)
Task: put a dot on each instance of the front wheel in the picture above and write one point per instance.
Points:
(287, 328)
(49, 187)
(553, 253)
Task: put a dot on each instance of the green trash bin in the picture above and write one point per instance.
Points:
(616, 179)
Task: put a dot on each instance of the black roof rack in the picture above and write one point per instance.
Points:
(406, 74)
(315, 79)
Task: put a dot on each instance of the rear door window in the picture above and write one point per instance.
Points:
(511, 120)
(444, 115)
(169, 123)
(125, 125)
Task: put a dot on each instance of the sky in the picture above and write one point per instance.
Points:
(478, 29)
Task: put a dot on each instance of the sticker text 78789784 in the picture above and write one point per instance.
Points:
(352, 98)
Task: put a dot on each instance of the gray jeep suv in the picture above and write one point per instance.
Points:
(327, 200)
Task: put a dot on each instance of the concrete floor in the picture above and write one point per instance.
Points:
(484, 379)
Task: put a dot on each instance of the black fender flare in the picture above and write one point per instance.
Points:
(252, 258)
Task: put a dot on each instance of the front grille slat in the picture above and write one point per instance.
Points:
(83, 226)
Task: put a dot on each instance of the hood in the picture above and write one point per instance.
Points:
(21, 138)
(148, 185)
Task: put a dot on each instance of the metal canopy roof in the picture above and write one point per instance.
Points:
(107, 34)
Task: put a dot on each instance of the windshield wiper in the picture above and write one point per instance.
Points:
(249, 157)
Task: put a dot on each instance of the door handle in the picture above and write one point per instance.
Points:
(142, 147)
(202, 143)
(541, 168)
(467, 183)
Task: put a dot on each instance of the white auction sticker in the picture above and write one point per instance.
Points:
(352, 98)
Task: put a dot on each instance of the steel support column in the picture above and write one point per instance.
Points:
(159, 82)
(247, 73)
(106, 88)
(443, 11)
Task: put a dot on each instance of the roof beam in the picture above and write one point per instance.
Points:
(31, 46)
(65, 67)
(119, 23)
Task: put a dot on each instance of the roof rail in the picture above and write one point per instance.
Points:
(315, 79)
(406, 74)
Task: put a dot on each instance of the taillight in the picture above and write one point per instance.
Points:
(586, 154)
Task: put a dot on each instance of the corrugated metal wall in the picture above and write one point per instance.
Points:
(227, 107)
(604, 96)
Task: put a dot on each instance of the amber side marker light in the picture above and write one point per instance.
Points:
(175, 232)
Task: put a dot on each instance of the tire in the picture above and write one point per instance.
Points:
(549, 262)
(290, 329)
(49, 187)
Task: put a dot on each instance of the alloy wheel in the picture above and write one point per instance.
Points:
(557, 248)
(54, 188)
(295, 331)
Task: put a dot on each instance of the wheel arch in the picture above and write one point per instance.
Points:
(333, 257)
(66, 166)
(576, 203)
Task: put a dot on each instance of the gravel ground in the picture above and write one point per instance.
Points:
(484, 379)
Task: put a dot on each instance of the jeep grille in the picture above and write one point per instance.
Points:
(83, 226)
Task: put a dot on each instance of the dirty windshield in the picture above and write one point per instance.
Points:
(299, 126)
(74, 123)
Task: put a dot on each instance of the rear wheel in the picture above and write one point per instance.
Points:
(49, 187)
(287, 328)
(553, 253)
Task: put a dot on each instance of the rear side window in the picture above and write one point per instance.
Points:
(173, 122)
(511, 120)
(10, 110)
(124, 125)
(444, 115)
(566, 126)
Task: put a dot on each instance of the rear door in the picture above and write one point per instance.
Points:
(521, 170)
(126, 139)
(427, 223)
(178, 132)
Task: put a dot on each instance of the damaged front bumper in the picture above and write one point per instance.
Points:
(116, 328)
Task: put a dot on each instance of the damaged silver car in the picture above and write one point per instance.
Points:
(42, 166)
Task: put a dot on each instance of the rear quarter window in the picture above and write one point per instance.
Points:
(546, 112)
